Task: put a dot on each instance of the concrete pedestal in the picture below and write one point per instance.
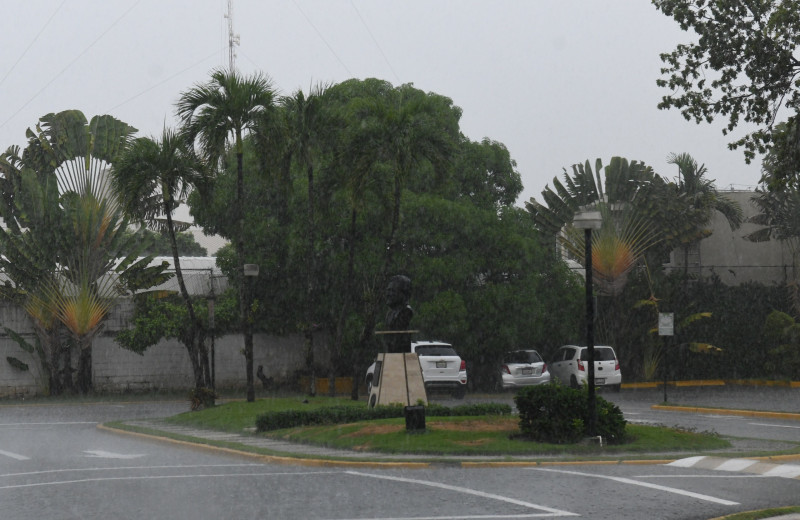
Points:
(398, 380)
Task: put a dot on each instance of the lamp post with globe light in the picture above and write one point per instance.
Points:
(587, 219)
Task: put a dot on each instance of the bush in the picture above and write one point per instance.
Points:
(347, 414)
(559, 415)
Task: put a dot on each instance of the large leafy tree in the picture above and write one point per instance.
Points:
(153, 177)
(64, 239)
(400, 132)
(218, 115)
(743, 65)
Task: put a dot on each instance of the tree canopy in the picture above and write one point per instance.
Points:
(743, 65)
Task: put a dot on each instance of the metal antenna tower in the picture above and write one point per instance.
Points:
(233, 39)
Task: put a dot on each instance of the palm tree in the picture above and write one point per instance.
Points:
(627, 231)
(700, 200)
(216, 115)
(64, 230)
(152, 179)
(304, 122)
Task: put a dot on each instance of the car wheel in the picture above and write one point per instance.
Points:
(573, 382)
(616, 388)
(460, 392)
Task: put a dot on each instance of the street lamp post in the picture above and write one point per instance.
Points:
(250, 271)
(589, 219)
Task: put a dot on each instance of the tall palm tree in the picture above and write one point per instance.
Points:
(701, 199)
(217, 115)
(304, 121)
(153, 177)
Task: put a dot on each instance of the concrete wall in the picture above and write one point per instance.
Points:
(736, 260)
(163, 366)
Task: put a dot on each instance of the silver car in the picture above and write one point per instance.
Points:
(523, 368)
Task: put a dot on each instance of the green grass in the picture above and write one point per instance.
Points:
(486, 435)
(763, 513)
(237, 416)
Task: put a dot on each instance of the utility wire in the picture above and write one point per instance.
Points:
(322, 38)
(71, 63)
(163, 81)
(364, 23)
(35, 39)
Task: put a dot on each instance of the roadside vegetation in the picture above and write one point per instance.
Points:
(495, 434)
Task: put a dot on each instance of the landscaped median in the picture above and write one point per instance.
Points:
(493, 434)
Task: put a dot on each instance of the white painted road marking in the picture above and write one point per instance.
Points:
(759, 468)
(457, 489)
(47, 423)
(623, 480)
(16, 456)
(110, 455)
(774, 425)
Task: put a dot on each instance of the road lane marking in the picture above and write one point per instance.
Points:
(110, 455)
(121, 468)
(774, 425)
(458, 489)
(48, 423)
(12, 455)
(623, 480)
(155, 477)
(736, 465)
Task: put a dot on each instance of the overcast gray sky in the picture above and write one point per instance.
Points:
(556, 81)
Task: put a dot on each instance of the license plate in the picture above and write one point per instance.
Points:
(527, 371)
(441, 364)
(599, 381)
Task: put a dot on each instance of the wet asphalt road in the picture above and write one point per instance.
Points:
(54, 463)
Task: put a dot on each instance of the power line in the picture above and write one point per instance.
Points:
(364, 23)
(71, 63)
(322, 38)
(35, 39)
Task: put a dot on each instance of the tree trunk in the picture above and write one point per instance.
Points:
(85, 367)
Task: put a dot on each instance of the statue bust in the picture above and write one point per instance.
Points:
(398, 293)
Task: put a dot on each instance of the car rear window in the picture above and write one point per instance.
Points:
(600, 354)
(435, 350)
(522, 356)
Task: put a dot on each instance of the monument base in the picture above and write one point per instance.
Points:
(398, 380)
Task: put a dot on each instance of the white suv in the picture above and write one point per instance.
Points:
(442, 368)
(569, 366)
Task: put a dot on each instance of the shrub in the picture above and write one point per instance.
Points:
(347, 414)
(559, 414)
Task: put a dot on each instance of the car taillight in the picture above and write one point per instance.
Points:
(464, 366)
(505, 368)
(544, 368)
(616, 365)
(580, 366)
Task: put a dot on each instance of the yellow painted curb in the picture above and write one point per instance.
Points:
(274, 459)
(725, 411)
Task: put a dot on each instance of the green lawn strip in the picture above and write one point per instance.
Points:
(763, 513)
(237, 416)
(389, 436)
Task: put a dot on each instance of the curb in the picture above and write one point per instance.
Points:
(301, 461)
(725, 411)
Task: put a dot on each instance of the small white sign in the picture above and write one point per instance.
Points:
(665, 323)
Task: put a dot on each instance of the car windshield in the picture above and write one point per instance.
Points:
(600, 354)
(522, 356)
(435, 350)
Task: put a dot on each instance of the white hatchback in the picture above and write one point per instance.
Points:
(442, 368)
(569, 366)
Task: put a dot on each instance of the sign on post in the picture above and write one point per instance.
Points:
(665, 323)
